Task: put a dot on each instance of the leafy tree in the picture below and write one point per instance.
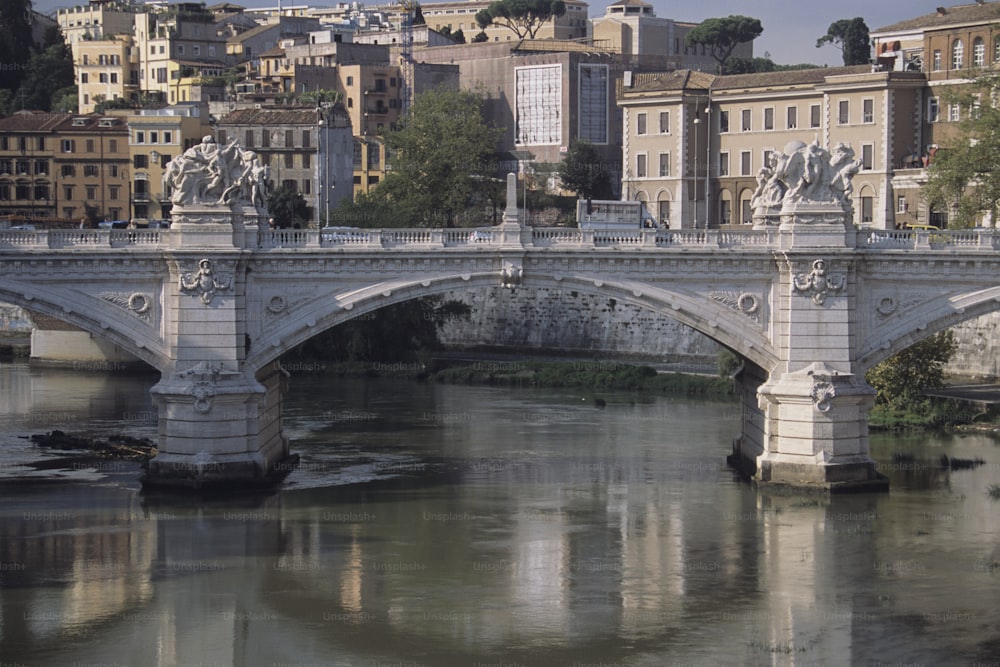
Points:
(851, 37)
(49, 77)
(440, 158)
(288, 207)
(524, 17)
(582, 171)
(900, 380)
(964, 174)
(722, 35)
(480, 37)
(15, 42)
(321, 96)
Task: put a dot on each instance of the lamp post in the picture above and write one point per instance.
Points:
(708, 162)
(694, 175)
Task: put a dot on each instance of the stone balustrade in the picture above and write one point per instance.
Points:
(344, 238)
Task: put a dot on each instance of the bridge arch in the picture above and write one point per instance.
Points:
(932, 317)
(715, 320)
(91, 315)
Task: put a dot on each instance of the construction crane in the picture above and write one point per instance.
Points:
(409, 8)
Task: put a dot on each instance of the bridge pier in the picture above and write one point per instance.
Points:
(219, 422)
(809, 427)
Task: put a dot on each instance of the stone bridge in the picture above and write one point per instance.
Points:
(212, 303)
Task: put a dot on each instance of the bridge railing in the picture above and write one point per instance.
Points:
(945, 239)
(15, 240)
(55, 239)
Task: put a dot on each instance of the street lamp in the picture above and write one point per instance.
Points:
(708, 162)
(694, 179)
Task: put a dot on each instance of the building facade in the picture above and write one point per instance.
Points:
(308, 150)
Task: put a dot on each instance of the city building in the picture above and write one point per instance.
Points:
(95, 20)
(461, 15)
(27, 176)
(694, 143)
(156, 136)
(309, 150)
(632, 29)
(105, 70)
(546, 94)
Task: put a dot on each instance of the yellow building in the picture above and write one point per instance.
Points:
(155, 137)
(105, 70)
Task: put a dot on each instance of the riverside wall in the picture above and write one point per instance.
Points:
(573, 322)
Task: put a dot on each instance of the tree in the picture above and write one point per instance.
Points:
(288, 207)
(49, 77)
(440, 158)
(524, 17)
(15, 42)
(722, 35)
(480, 37)
(582, 171)
(900, 381)
(964, 173)
(851, 37)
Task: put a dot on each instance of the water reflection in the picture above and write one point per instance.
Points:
(488, 526)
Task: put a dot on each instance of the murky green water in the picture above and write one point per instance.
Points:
(440, 525)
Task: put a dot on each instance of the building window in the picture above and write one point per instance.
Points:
(792, 118)
(769, 118)
(664, 165)
(867, 209)
(307, 160)
(41, 168)
(90, 145)
(978, 52)
(248, 139)
(84, 77)
(140, 161)
(843, 112)
(936, 60)
(154, 137)
(640, 123)
(113, 192)
(867, 156)
(113, 170)
(745, 164)
(67, 170)
(112, 145)
(350, 81)
(168, 137)
(957, 54)
(289, 138)
(640, 165)
(22, 168)
(22, 191)
(996, 50)
(306, 139)
(90, 170)
(140, 137)
(954, 112)
(288, 160)
(306, 186)
(901, 205)
(723, 121)
(593, 103)
(538, 106)
(724, 163)
(933, 110)
(814, 115)
(745, 120)
(265, 138)
(67, 192)
(664, 122)
(41, 192)
(868, 111)
(91, 192)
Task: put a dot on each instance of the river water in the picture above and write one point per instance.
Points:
(479, 526)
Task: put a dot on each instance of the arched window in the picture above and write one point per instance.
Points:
(957, 54)
(978, 52)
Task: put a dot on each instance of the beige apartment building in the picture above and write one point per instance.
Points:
(105, 70)
(63, 166)
(156, 136)
(694, 143)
